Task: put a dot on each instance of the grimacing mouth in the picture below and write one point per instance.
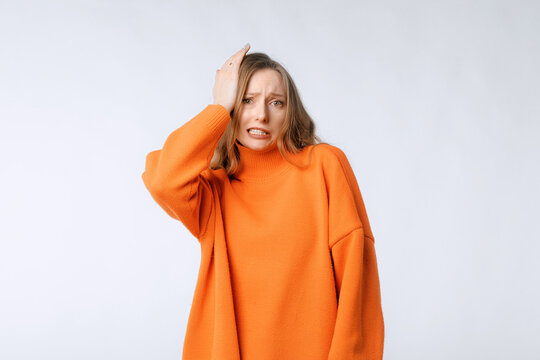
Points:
(258, 128)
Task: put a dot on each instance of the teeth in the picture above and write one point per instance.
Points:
(255, 131)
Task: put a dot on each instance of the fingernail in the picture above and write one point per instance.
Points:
(245, 46)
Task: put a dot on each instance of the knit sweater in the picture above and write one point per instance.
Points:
(288, 266)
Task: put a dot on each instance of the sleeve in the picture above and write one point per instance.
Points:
(176, 175)
(359, 328)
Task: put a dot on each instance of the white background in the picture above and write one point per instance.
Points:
(435, 103)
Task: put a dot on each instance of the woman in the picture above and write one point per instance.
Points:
(288, 266)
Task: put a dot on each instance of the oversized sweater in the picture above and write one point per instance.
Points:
(288, 266)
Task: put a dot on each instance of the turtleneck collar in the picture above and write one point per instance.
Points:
(260, 164)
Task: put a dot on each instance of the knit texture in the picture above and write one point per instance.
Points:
(288, 266)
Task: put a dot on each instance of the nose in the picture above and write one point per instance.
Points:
(261, 113)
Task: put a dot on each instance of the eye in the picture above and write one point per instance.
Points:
(249, 99)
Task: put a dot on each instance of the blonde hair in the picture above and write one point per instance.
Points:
(297, 131)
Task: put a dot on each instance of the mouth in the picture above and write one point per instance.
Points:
(258, 133)
(258, 130)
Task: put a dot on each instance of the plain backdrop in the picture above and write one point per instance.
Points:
(435, 103)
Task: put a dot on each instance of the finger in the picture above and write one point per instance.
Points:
(243, 50)
(237, 57)
(230, 61)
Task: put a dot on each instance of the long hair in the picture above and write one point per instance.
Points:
(297, 131)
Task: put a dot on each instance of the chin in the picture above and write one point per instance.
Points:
(256, 144)
(259, 145)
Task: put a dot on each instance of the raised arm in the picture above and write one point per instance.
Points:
(178, 176)
(174, 175)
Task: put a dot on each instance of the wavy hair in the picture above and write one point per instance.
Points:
(297, 131)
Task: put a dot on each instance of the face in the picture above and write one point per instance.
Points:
(264, 107)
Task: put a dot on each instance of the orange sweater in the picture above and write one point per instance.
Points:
(288, 266)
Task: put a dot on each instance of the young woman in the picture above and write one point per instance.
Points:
(288, 265)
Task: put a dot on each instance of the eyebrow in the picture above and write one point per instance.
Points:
(272, 93)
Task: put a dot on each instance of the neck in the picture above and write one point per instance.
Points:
(260, 164)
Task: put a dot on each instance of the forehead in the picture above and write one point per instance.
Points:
(266, 80)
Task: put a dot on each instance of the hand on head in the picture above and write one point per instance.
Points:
(226, 83)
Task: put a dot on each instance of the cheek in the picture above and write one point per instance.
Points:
(242, 121)
(242, 127)
(279, 123)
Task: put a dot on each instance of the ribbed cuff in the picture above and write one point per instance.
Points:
(218, 118)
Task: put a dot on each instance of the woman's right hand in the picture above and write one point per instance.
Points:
(226, 83)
